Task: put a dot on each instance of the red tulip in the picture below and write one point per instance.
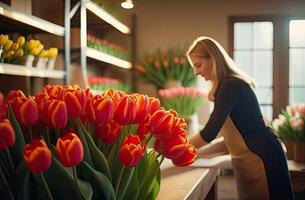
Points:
(3, 108)
(16, 98)
(154, 105)
(142, 129)
(142, 104)
(29, 112)
(76, 99)
(171, 148)
(161, 122)
(131, 151)
(100, 109)
(37, 156)
(54, 91)
(116, 95)
(7, 134)
(55, 113)
(70, 150)
(187, 158)
(126, 110)
(109, 132)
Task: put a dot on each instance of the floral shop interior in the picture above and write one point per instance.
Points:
(152, 99)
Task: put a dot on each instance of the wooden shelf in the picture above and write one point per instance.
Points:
(20, 70)
(14, 20)
(97, 55)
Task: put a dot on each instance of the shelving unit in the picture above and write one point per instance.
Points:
(92, 15)
(13, 20)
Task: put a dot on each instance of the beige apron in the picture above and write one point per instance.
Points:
(248, 168)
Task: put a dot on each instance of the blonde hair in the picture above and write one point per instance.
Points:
(223, 65)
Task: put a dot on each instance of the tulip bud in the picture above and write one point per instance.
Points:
(187, 158)
(76, 99)
(7, 134)
(37, 156)
(21, 41)
(56, 114)
(126, 111)
(131, 151)
(171, 148)
(70, 150)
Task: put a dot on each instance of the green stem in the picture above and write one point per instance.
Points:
(162, 159)
(43, 183)
(12, 166)
(75, 180)
(3, 178)
(117, 185)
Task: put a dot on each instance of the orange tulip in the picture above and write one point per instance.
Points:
(142, 129)
(126, 110)
(109, 132)
(16, 98)
(54, 91)
(37, 156)
(161, 122)
(70, 150)
(100, 109)
(29, 112)
(131, 151)
(187, 158)
(116, 95)
(7, 134)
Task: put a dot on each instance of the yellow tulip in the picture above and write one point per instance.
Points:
(21, 41)
(19, 53)
(3, 39)
(53, 52)
(31, 44)
(8, 54)
(15, 46)
(8, 45)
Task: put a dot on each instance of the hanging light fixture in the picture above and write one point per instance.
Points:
(127, 4)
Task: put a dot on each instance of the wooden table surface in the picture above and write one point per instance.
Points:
(191, 183)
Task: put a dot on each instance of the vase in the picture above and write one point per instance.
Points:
(27, 61)
(289, 147)
(192, 124)
(51, 63)
(299, 152)
(172, 83)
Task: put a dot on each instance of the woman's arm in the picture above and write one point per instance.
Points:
(215, 148)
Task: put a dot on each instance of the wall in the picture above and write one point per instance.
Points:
(168, 23)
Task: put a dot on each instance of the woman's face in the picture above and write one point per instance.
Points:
(202, 65)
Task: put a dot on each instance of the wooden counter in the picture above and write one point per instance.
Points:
(191, 183)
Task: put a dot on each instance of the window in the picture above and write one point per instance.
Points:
(271, 49)
(297, 61)
(253, 53)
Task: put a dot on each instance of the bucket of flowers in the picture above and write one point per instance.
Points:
(290, 127)
(65, 143)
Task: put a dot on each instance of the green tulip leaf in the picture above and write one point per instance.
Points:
(23, 176)
(156, 187)
(17, 149)
(5, 189)
(99, 160)
(132, 191)
(125, 180)
(102, 187)
(62, 185)
(82, 137)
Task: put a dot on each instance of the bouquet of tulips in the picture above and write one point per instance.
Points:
(184, 100)
(66, 143)
(290, 123)
(160, 67)
(100, 83)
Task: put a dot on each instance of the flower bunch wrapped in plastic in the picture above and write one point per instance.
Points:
(184, 100)
(161, 67)
(290, 124)
(101, 83)
(65, 143)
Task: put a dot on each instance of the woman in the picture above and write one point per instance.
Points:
(258, 160)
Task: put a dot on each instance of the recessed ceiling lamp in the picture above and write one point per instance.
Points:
(127, 4)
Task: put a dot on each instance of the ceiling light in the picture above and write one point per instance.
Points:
(127, 4)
